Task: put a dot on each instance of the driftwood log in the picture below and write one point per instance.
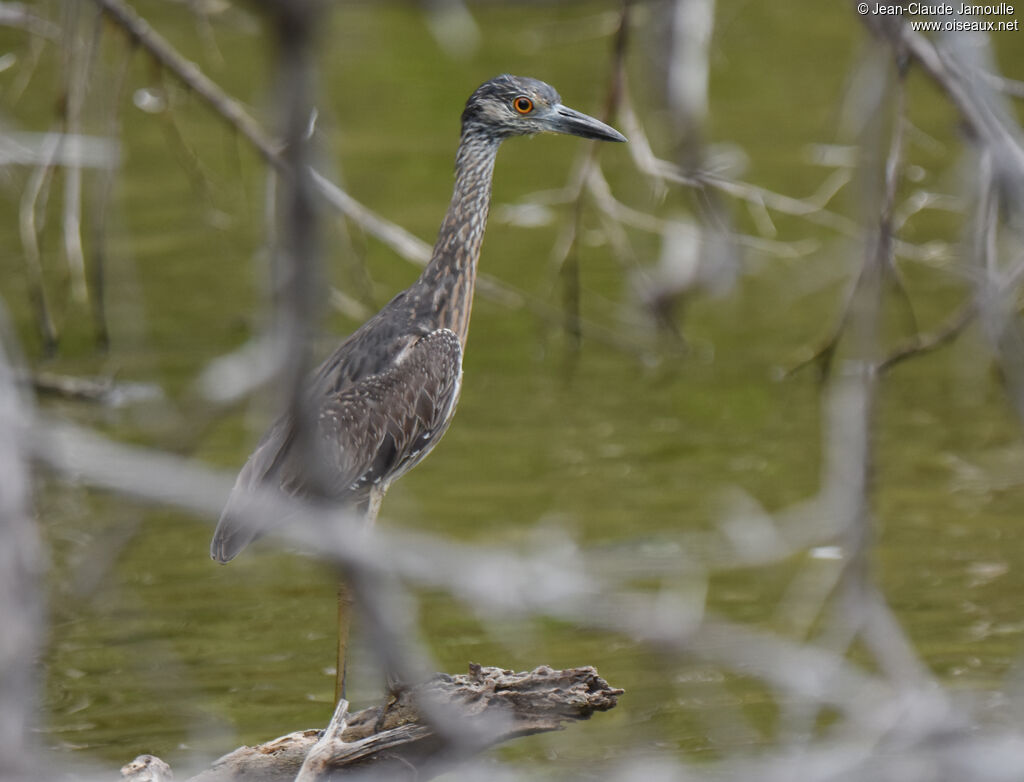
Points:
(417, 734)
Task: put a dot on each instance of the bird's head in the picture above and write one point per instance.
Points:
(520, 106)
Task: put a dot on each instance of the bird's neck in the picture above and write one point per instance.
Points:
(448, 281)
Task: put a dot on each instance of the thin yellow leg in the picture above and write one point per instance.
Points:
(345, 600)
(344, 623)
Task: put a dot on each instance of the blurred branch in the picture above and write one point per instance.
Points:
(401, 241)
(1011, 87)
(923, 343)
(865, 613)
(78, 56)
(880, 265)
(297, 273)
(452, 26)
(404, 243)
(1000, 189)
(231, 110)
(812, 209)
(989, 127)
(960, 87)
(997, 300)
(36, 191)
(601, 193)
(884, 718)
(493, 580)
(21, 567)
(102, 390)
(101, 207)
(564, 261)
(19, 16)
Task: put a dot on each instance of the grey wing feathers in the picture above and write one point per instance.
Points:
(369, 432)
(388, 422)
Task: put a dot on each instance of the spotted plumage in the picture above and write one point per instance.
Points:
(385, 397)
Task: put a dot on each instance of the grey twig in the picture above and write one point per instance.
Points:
(978, 113)
(926, 342)
(882, 261)
(21, 589)
(36, 191)
(188, 73)
(77, 61)
(564, 261)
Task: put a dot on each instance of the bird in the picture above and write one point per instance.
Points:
(384, 398)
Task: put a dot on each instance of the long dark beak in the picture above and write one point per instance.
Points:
(575, 123)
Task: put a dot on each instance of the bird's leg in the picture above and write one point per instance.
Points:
(344, 622)
(345, 597)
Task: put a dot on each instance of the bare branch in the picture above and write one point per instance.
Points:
(20, 573)
(924, 343)
(35, 191)
(77, 59)
(18, 15)
(188, 73)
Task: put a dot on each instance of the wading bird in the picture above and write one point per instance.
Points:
(385, 397)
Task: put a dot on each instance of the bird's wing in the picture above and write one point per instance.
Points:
(377, 429)
(369, 432)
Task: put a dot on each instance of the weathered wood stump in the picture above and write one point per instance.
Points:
(417, 734)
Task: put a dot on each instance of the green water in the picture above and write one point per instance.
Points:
(152, 648)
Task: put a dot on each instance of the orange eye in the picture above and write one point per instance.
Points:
(522, 105)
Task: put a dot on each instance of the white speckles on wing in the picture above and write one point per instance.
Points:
(385, 397)
(380, 427)
(370, 432)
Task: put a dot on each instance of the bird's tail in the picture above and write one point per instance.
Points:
(231, 536)
(236, 528)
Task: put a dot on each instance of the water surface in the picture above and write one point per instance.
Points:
(153, 648)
